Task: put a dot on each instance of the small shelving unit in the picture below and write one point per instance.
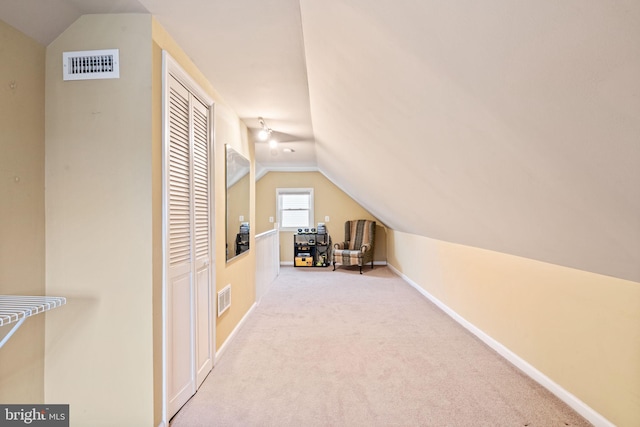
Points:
(16, 309)
(311, 250)
(242, 243)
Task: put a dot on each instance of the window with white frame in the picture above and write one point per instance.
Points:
(295, 208)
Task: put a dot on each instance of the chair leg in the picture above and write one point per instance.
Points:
(360, 268)
(372, 264)
(334, 266)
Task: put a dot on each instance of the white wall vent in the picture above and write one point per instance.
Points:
(91, 64)
(224, 299)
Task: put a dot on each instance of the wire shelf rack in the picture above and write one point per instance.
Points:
(16, 308)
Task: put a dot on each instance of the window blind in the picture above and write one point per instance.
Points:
(295, 210)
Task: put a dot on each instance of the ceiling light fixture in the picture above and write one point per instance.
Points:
(263, 135)
(265, 131)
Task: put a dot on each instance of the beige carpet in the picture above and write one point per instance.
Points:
(328, 348)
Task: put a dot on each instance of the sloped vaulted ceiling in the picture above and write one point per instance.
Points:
(509, 126)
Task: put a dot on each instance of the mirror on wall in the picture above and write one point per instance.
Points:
(238, 184)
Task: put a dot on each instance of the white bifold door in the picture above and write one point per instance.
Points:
(188, 244)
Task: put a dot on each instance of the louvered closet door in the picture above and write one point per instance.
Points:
(202, 233)
(189, 274)
(180, 289)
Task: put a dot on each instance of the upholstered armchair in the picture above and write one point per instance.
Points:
(357, 249)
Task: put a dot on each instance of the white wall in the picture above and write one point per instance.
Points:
(509, 126)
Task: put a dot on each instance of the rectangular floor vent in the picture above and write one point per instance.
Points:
(91, 64)
(224, 299)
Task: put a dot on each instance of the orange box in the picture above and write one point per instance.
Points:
(304, 261)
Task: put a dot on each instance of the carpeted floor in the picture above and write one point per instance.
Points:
(328, 348)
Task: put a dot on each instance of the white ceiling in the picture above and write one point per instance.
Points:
(510, 126)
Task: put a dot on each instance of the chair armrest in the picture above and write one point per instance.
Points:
(341, 245)
(365, 247)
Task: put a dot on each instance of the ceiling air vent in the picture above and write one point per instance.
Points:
(91, 65)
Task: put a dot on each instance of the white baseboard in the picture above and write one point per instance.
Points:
(232, 335)
(576, 404)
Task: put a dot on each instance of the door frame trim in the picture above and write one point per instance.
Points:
(170, 67)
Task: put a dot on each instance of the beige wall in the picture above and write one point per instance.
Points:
(228, 129)
(578, 328)
(103, 246)
(329, 201)
(104, 216)
(22, 209)
(240, 272)
(99, 347)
